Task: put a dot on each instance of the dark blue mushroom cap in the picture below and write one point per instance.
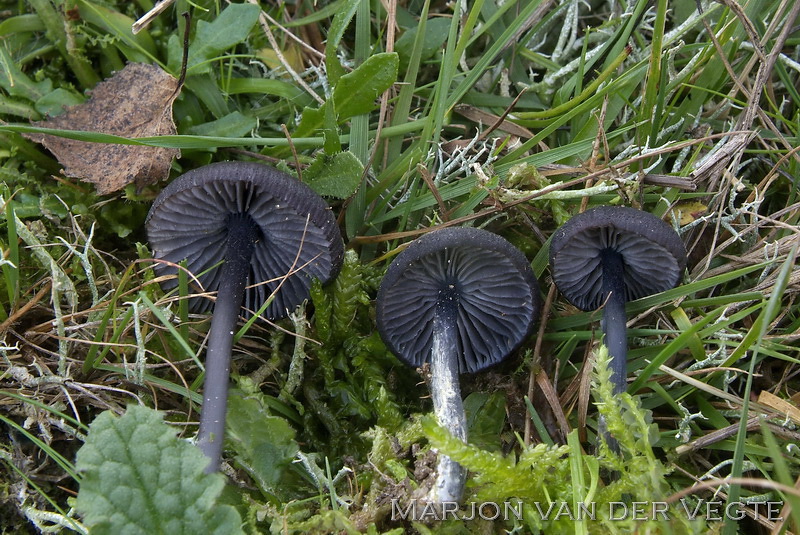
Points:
(297, 232)
(653, 254)
(488, 281)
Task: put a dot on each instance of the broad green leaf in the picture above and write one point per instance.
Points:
(139, 478)
(278, 88)
(29, 22)
(310, 121)
(54, 102)
(434, 38)
(354, 94)
(205, 88)
(339, 24)
(356, 91)
(265, 444)
(235, 124)
(211, 39)
(335, 175)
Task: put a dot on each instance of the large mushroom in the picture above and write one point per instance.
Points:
(608, 256)
(250, 233)
(460, 299)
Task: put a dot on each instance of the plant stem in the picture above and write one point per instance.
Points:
(614, 319)
(242, 235)
(447, 403)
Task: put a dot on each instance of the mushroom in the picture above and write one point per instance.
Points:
(272, 236)
(460, 299)
(608, 256)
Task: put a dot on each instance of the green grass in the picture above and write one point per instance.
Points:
(691, 115)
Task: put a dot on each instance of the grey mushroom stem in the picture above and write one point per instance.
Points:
(614, 328)
(446, 392)
(243, 234)
(613, 322)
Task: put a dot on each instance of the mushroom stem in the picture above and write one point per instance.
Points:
(447, 404)
(613, 323)
(242, 236)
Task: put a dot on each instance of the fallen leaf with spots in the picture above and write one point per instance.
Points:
(134, 102)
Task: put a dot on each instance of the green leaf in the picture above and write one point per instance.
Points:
(29, 22)
(486, 416)
(335, 175)
(339, 24)
(310, 121)
(356, 92)
(330, 129)
(265, 444)
(230, 28)
(264, 86)
(433, 39)
(55, 102)
(139, 478)
(16, 83)
(235, 124)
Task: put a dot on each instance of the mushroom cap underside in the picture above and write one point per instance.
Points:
(487, 280)
(653, 254)
(297, 232)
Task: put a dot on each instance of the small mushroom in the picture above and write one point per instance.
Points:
(608, 256)
(460, 299)
(248, 232)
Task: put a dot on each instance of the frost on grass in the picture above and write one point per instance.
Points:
(139, 478)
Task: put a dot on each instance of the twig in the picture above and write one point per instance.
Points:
(742, 481)
(262, 19)
(294, 151)
(148, 17)
(502, 119)
(25, 308)
(293, 37)
(716, 436)
(729, 154)
(426, 176)
(537, 351)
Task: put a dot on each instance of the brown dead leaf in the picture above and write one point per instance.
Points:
(783, 406)
(135, 102)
